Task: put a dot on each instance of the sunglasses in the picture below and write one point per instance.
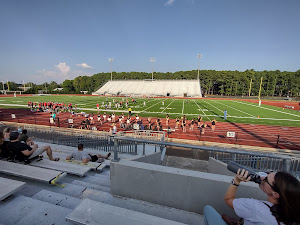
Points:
(266, 180)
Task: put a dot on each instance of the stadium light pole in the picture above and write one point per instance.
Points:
(199, 56)
(198, 76)
(152, 60)
(111, 60)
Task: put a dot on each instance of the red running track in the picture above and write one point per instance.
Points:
(246, 134)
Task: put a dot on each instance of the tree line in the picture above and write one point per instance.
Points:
(225, 83)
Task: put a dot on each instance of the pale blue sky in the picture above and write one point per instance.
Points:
(61, 39)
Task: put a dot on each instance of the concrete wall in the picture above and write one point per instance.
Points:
(218, 167)
(152, 158)
(186, 163)
(178, 188)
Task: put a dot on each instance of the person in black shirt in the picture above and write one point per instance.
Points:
(22, 152)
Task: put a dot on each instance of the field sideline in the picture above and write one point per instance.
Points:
(239, 111)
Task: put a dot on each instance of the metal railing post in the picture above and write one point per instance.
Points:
(116, 159)
(144, 148)
(286, 165)
(277, 141)
(135, 148)
(234, 157)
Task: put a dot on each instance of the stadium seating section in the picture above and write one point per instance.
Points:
(173, 88)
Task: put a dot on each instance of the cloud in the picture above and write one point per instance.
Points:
(84, 65)
(60, 73)
(169, 2)
(63, 68)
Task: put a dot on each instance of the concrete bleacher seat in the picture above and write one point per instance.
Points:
(8, 187)
(30, 172)
(70, 168)
(92, 212)
(175, 88)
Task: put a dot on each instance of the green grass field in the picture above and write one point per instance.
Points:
(238, 111)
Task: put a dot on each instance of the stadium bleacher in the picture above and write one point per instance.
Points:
(172, 88)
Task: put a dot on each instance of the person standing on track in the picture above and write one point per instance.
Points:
(213, 124)
(167, 119)
(225, 114)
(199, 121)
(177, 122)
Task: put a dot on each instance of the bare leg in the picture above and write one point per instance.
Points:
(104, 157)
(49, 153)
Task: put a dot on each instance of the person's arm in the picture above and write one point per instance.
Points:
(30, 150)
(230, 194)
(85, 160)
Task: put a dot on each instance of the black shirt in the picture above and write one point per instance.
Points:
(16, 149)
(4, 153)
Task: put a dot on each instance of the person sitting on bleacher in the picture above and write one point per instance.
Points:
(4, 140)
(24, 137)
(23, 152)
(84, 156)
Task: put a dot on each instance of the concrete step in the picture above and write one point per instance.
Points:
(22, 210)
(98, 180)
(57, 199)
(92, 212)
(91, 186)
(144, 207)
(71, 190)
(105, 171)
(106, 175)
(8, 187)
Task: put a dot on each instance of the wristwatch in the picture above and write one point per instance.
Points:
(233, 183)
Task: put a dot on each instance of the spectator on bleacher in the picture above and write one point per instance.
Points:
(6, 133)
(84, 156)
(282, 205)
(2, 140)
(23, 152)
(24, 137)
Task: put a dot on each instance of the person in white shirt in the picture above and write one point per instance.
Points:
(281, 207)
(84, 156)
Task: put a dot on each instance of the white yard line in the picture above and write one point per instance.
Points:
(152, 106)
(215, 107)
(235, 109)
(182, 106)
(168, 106)
(14, 105)
(200, 107)
(268, 109)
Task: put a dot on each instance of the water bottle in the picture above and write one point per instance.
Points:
(233, 167)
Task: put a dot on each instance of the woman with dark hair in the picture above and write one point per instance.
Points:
(281, 207)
